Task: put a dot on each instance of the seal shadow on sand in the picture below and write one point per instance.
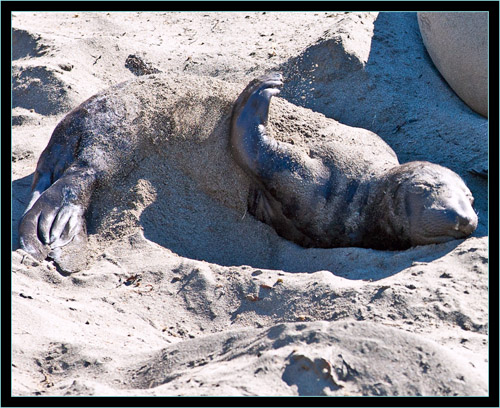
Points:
(215, 243)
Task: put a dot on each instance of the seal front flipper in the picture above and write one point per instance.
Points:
(269, 211)
(56, 216)
(288, 178)
(261, 206)
(252, 149)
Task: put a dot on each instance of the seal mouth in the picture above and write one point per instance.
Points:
(445, 237)
(443, 226)
(433, 239)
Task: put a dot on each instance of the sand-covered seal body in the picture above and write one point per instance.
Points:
(85, 147)
(103, 141)
(348, 191)
(343, 195)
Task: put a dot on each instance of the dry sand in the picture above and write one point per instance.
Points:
(184, 293)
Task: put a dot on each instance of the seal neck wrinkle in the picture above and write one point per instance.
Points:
(385, 225)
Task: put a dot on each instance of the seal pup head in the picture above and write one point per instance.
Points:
(430, 204)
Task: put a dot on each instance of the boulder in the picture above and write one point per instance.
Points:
(458, 46)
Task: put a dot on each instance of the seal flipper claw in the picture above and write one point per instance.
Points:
(45, 220)
(56, 217)
(66, 225)
(28, 237)
(259, 205)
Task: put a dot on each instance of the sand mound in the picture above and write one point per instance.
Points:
(39, 88)
(319, 358)
(27, 45)
(187, 294)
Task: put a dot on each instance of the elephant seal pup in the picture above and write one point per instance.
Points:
(337, 197)
(340, 195)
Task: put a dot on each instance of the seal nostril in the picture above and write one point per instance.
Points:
(466, 224)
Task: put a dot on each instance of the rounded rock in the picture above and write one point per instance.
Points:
(458, 45)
